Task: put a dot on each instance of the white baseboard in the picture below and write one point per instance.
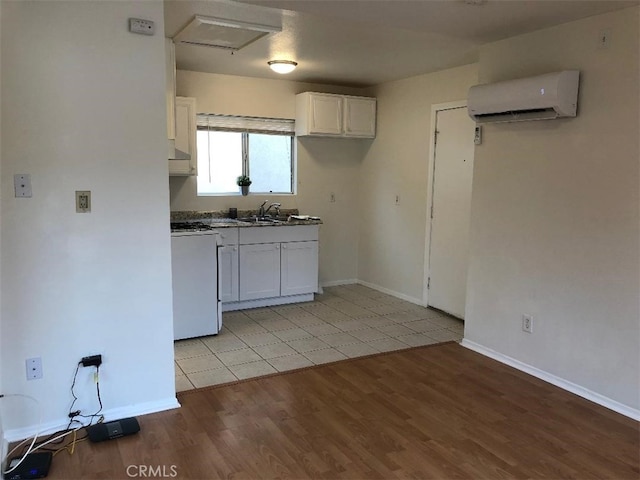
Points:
(266, 302)
(554, 380)
(18, 434)
(337, 283)
(401, 296)
(352, 281)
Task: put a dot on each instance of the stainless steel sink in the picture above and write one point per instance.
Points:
(224, 220)
(260, 220)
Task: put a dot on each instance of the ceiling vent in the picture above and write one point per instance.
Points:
(222, 33)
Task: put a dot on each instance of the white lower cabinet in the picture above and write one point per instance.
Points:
(228, 268)
(275, 265)
(227, 264)
(298, 268)
(259, 271)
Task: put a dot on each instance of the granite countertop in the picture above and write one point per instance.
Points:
(220, 219)
(280, 222)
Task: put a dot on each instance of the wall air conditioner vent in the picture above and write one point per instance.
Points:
(222, 33)
(517, 116)
(544, 97)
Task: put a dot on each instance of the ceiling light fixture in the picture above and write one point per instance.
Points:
(282, 66)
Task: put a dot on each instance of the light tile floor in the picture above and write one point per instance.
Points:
(344, 322)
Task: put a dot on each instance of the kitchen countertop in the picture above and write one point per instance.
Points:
(230, 222)
(220, 219)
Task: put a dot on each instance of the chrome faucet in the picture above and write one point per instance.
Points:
(261, 210)
(276, 207)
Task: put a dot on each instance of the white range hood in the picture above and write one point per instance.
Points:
(175, 154)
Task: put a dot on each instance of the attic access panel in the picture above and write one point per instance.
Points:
(222, 33)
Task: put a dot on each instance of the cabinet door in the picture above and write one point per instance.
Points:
(185, 112)
(299, 268)
(325, 114)
(360, 117)
(259, 271)
(170, 74)
(228, 273)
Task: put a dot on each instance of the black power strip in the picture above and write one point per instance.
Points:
(91, 361)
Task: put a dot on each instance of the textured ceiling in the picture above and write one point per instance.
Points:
(367, 42)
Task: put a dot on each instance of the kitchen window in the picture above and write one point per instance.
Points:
(230, 146)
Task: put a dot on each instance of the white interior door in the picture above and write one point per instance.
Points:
(451, 206)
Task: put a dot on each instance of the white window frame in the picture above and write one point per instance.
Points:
(247, 126)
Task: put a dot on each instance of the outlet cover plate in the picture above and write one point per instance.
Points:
(34, 368)
(22, 185)
(83, 201)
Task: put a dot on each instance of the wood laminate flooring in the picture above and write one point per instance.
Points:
(438, 411)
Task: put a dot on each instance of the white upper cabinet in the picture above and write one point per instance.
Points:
(170, 73)
(181, 120)
(325, 114)
(360, 117)
(185, 121)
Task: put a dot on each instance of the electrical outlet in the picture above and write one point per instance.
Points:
(141, 26)
(83, 201)
(34, 368)
(527, 323)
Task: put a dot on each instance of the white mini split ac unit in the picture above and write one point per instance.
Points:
(543, 97)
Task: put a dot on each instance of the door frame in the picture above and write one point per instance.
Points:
(435, 108)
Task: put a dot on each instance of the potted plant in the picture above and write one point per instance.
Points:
(244, 181)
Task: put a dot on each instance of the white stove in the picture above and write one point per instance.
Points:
(197, 311)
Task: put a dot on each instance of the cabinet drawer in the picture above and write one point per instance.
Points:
(298, 233)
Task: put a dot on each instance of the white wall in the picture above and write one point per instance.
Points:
(83, 108)
(392, 237)
(325, 165)
(554, 229)
(3, 443)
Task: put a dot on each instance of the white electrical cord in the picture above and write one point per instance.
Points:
(62, 435)
(35, 437)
